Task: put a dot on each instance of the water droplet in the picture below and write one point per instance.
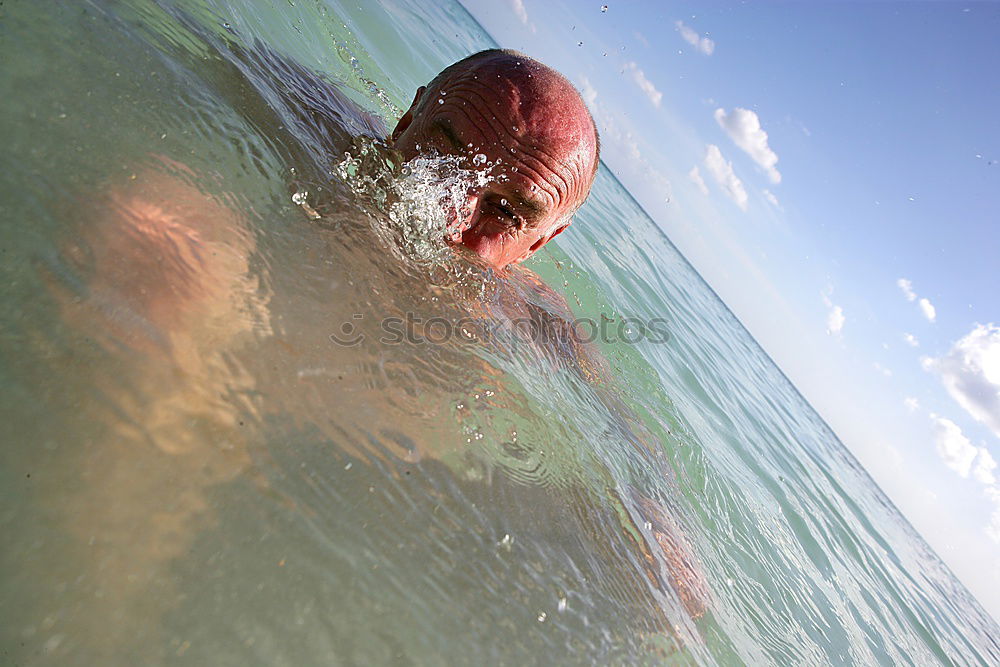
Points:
(299, 198)
(440, 101)
(506, 541)
(542, 616)
(348, 466)
(479, 160)
(503, 202)
(562, 604)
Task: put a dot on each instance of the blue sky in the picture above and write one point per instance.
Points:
(833, 171)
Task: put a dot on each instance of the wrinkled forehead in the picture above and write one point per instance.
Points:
(534, 103)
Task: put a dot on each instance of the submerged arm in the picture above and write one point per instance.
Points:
(683, 574)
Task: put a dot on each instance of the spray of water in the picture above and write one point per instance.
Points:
(416, 208)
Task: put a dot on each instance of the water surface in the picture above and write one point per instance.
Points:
(214, 480)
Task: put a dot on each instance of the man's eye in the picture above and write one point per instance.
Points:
(505, 210)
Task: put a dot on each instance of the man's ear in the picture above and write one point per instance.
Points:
(407, 118)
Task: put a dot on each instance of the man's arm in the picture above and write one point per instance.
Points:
(561, 337)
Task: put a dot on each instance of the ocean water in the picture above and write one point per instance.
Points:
(255, 413)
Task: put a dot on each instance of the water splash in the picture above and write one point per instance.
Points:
(417, 207)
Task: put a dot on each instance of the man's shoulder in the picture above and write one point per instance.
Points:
(538, 292)
(556, 326)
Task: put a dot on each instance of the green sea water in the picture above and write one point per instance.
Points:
(223, 482)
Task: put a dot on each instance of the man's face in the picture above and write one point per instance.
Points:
(539, 151)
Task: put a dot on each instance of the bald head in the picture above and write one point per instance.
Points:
(542, 90)
(535, 131)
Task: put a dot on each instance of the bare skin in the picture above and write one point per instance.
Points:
(530, 123)
(170, 288)
(179, 261)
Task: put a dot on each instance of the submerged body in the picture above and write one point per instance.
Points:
(172, 284)
(240, 489)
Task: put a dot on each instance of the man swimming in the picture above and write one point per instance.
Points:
(526, 121)
(172, 274)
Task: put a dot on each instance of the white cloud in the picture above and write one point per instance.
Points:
(835, 318)
(881, 369)
(722, 171)
(907, 287)
(911, 340)
(587, 91)
(612, 129)
(835, 321)
(927, 308)
(620, 137)
(743, 127)
(660, 183)
(970, 372)
(993, 528)
(520, 11)
(629, 141)
(695, 176)
(952, 446)
(645, 85)
(911, 403)
(701, 44)
(985, 465)
(769, 196)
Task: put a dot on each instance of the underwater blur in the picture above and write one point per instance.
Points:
(258, 412)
